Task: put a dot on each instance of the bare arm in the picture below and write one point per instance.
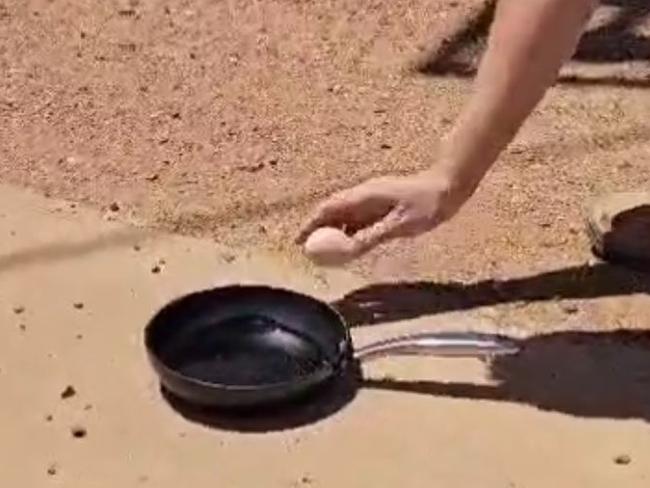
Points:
(529, 42)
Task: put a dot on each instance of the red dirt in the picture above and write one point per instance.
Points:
(231, 119)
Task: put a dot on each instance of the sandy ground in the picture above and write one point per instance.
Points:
(561, 414)
(216, 120)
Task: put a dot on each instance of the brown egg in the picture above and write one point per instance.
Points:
(328, 246)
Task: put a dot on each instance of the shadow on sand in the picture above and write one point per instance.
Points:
(586, 374)
(616, 41)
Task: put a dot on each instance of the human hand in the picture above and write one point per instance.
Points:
(387, 208)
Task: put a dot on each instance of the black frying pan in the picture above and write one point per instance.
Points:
(245, 346)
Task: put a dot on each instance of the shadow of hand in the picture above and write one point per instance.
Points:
(391, 302)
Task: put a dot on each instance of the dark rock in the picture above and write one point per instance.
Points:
(623, 459)
(68, 392)
(78, 431)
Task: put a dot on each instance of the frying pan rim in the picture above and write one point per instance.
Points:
(164, 370)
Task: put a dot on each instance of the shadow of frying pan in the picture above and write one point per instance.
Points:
(313, 407)
(583, 374)
(579, 373)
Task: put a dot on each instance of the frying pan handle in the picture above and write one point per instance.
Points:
(439, 344)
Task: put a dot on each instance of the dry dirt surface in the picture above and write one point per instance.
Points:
(82, 408)
(230, 119)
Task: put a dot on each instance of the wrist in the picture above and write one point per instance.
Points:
(456, 178)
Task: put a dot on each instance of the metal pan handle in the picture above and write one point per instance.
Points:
(439, 344)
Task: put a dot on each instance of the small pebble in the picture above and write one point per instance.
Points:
(22, 327)
(623, 459)
(625, 165)
(68, 392)
(49, 418)
(570, 309)
(88, 406)
(137, 248)
(78, 432)
(52, 469)
(19, 309)
(386, 146)
(78, 305)
(252, 168)
(79, 337)
(114, 207)
(152, 178)
(155, 269)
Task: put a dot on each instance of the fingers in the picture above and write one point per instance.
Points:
(365, 206)
(386, 229)
(330, 213)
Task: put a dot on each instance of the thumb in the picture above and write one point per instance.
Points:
(378, 233)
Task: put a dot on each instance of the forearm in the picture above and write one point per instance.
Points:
(528, 43)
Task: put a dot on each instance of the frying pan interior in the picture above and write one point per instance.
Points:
(246, 351)
(246, 338)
